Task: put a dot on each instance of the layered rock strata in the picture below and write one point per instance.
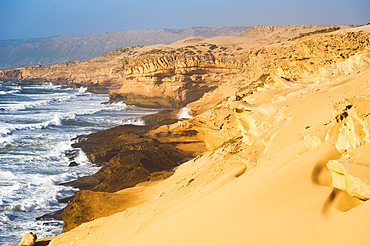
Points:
(127, 157)
(161, 76)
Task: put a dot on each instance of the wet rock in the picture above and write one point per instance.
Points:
(73, 164)
(71, 154)
(66, 199)
(57, 215)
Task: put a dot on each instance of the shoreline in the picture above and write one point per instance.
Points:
(100, 182)
(151, 120)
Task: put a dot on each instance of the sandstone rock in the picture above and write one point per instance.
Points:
(174, 78)
(28, 239)
(350, 177)
(128, 157)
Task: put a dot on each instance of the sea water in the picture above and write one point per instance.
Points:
(37, 123)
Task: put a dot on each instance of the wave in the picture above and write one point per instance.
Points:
(136, 122)
(10, 92)
(8, 129)
(82, 89)
(37, 104)
(6, 175)
(43, 86)
(117, 106)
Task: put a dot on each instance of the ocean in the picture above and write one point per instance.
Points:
(37, 125)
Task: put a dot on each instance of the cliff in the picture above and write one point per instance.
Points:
(163, 76)
(46, 51)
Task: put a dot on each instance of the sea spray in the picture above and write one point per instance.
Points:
(36, 127)
(184, 113)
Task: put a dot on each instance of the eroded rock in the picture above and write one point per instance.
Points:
(28, 239)
(351, 177)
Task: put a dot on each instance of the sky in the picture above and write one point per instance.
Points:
(47, 18)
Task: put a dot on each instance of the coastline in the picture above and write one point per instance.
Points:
(130, 166)
(277, 161)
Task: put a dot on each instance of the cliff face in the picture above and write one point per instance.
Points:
(96, 74)
(161, 76)
(174, 80)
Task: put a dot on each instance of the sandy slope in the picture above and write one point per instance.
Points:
(286, 197)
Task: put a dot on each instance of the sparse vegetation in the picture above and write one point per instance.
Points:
(198, 155)
(301, 35)
(153, 51)
(189, 52)
(212, 46)
(236, 143)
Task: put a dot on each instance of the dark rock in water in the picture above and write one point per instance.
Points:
(57, 215)
(66, 199)
(84, 183)
(52, 223)
(73, 164)
(71, 154)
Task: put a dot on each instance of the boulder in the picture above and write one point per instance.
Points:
(28, 239)
(73, 164)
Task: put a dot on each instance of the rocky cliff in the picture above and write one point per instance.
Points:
(162, 76)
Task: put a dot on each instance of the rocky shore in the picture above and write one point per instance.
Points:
(127, 156)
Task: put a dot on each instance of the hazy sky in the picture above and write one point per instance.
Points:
(46, 18)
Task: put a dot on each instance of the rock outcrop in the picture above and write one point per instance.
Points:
(127, 156)
(161, 76)
(28, 239)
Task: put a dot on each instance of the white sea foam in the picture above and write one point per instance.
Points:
(184, 113)
(8, 129)
(5, 140)
(82, 89)
(115, 106)
(35, 132)
(136, 122)
(6, 175)
(9, 92)
(47, 86)
(81, 158)
(36, 104)
(56, 121)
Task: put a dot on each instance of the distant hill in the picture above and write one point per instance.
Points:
(44, 51)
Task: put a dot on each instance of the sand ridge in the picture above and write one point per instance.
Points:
(268, 185)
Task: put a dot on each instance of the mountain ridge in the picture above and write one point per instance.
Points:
(59, 49)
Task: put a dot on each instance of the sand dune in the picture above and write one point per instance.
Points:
(293, 176)
(226, 40)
